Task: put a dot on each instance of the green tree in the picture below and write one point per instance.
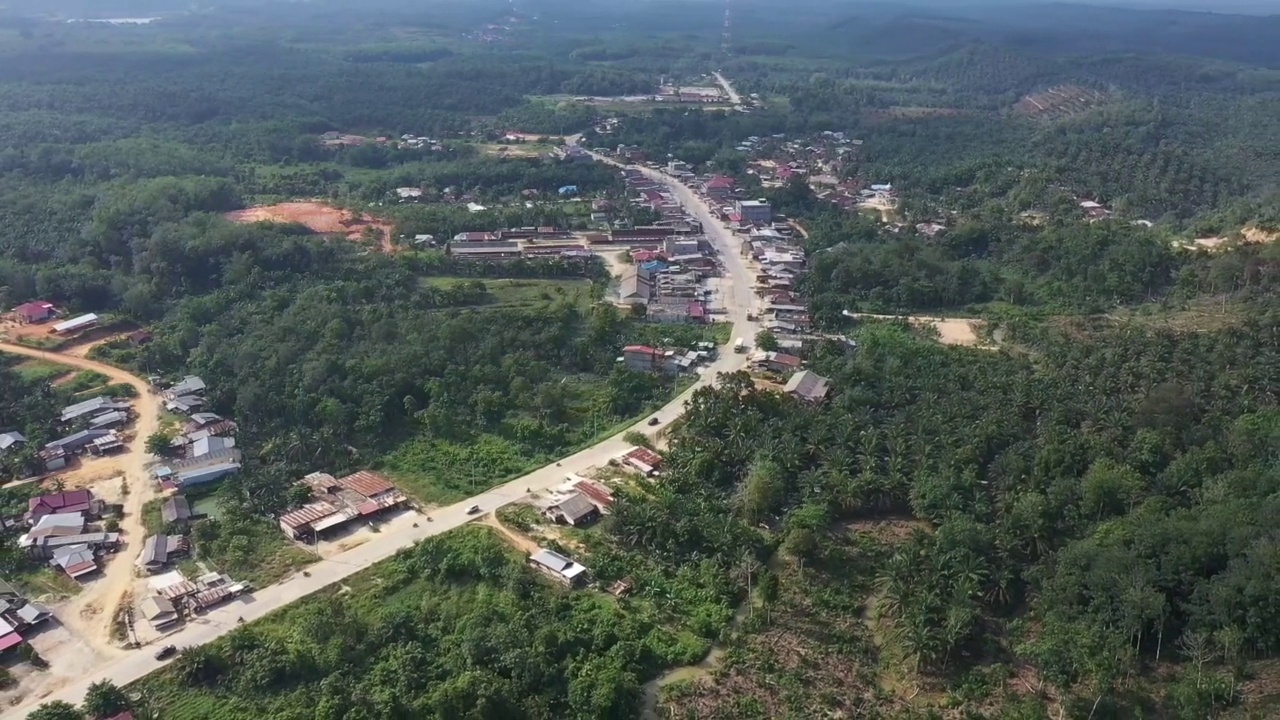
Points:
(160, 442)
(56, 710)
(103, 699)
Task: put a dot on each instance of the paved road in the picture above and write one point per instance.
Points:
(734, 97)
(398, 535)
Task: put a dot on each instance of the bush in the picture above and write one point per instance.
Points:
(635, 437)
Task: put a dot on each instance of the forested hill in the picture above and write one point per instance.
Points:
(871, 30)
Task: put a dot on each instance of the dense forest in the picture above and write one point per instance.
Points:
(1077, 522)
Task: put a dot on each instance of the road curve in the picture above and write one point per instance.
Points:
(212, 625)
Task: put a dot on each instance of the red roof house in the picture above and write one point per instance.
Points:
(644, 256)
(63, 502)
(34, 311)
(11, 640)
(643, 459)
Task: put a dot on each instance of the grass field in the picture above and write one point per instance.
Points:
(524, 292)
(40, 370)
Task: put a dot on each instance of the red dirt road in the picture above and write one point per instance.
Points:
(318, 217)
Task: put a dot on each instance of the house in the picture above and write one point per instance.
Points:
(556, 566)
(10, 439)
(781, 363)
(76, 324)
(158, 611)
(198, 476)
(175, 510)
(78, 441)
(53, 525)
(575, 510)
(808, 386)
(206, 446)
(115, 417)
(158, 550)
(189, 385)
(10, 641)
(642, 459)
(338, 501)
(91, 408)
(36, 311)
(53, 458)
(409, 193)
(718, 188)
(31, 614)
(185, 404)
(598, 494)
(642, 358)
(71, 501)
(755, 212)
(76, 561)
(51, 546)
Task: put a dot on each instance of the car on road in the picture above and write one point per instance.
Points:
(473, 509)
(653, 421)
(166, 652)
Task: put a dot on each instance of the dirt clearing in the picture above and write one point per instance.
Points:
(320, 218)
(954, 331)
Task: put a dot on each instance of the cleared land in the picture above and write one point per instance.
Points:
(320, 218)
(1062, 101)
(953, 331)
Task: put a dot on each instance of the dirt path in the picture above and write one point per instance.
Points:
(519, 540)
(91, 611)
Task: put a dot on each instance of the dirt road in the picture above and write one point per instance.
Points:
(734, 97)
(90, 613)
(405, 531)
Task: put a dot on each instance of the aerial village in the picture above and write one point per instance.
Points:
(667, 272)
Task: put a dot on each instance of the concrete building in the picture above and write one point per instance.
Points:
(755, 212)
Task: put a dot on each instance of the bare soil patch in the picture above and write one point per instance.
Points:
(518, 540)
(320, 218)
(1062, 101)
(954, 331)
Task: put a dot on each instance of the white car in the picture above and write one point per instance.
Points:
(473, 509)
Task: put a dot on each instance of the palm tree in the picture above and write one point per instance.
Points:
(746, 570)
